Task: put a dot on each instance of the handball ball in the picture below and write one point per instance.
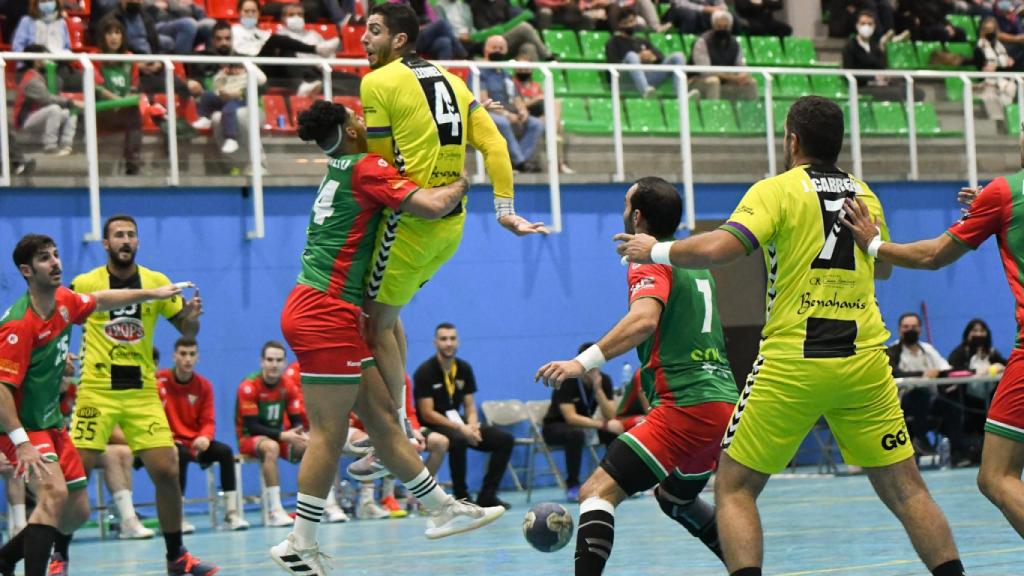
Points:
(548, 527)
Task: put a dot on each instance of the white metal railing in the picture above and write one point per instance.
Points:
(681, 73)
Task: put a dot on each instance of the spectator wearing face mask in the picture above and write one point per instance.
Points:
(521, 130)
(866, 51)
(532, 93)
(306, 80)
(44, 25)
(976, 354)
(1011, 29)
(623, 47)
(718, 47)
(249, 40)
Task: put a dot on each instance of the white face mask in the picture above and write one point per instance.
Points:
(295, 23)
(248, 23)
(866, 31)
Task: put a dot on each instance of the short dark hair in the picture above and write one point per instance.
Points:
(220, 25)
(400, 19)
(29, 246)
(272, 344)
(118, 218)
(870, 13)
(583, 347)
(818, 125)
(906, 315)
(660, 205)
(625, 13)
(185, 342)
(444, 326)
(242, 3)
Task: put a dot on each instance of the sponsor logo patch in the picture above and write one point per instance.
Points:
(12, 339)
(64, 313)
(87, 412)
(125, 329)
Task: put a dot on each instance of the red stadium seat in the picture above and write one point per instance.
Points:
(278, 118)
(351, 45)
(222, 9)
(352, 102)
(328, 31)
(298, 105)
(461, 73)
(82, 8)
(270, 26)
(76, 30)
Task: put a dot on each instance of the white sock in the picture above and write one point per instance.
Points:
(123, 501)
(231, 501)
(272, 497)
(425, 488)
(332, 499)
(18, 515)
(308, 511)
(366, 490)
(387, 487)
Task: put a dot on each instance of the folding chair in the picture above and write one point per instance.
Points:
(510, 413)
(537, 409)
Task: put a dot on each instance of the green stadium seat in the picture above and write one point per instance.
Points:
(668, 43)
(780, 109)
(834, 87)
(688, 41)
(558, 77)
(718, 117)
(901, 55)
(592, 43)
(671, 110)
(644, 116)
(955, 90)
(791, 85)
(800, 51)
(964, 49)
(586, 83)
(748, 54)
(563, 45)
(766, 51)
(925, 51)
(890, 118)
(926, 120)
(967, 23)
(750, 115)
(1013, 119)
(663, 7)
(867, 119)
(601, 114)
(578, 120)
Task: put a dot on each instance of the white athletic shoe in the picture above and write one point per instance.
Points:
(202, 123)
(235, 521)
(368, 468)
(333, 514)
(132, 529)
(459, 516)
(279, 518)
(304, 561)
(187, 527)
(359, 447)
(230, 146)
(370, 510)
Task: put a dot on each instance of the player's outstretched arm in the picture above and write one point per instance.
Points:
(632, 330)
(433, 203)
(929, 254)
(707, 250)
(114, 299)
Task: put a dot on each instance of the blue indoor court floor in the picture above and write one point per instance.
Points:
(814, 525)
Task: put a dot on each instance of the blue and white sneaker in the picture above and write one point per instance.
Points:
(368, 468)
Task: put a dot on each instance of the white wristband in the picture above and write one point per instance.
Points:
(591, 358)
(504, 207)
(18, 436)
(874, 245)
(659, 254)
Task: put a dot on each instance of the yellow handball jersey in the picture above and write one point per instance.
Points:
(419, 117)
(117, 349)
(820, 300)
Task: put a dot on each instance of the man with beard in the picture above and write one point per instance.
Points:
(674, 325)
(822, 351)
(118, 385)
(199, 75)
(34, 335)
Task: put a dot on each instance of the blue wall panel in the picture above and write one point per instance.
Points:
(518, 302)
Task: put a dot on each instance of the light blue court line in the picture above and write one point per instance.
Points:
(813, 525)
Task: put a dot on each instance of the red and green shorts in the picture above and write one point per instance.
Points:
(1006, 414)
(249, 446)
(55, 446)
(324, 333)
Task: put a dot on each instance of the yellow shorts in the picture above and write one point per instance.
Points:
(139, 413)
(783, 399)
(409, 252)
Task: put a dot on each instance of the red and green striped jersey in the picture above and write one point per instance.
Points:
(342, 229)
(999, 210)
(684, 361)
(33, 352)
(270, 404)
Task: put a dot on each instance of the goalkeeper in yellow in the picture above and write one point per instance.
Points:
(419, 117)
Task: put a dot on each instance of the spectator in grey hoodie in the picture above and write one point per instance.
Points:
(42, 115)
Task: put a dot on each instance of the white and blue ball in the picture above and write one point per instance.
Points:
(548, 527)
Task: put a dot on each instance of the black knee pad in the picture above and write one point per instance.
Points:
(695, 516)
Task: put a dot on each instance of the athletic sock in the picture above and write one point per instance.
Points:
(595, 536)
(230, 501)
(366, 490)
(951, 568)
(273, 497)
(751, 571)
(62, 544)
(698, 517)
(308, 511)
(38, 544)
(18, 517)
(123, 502)
(175, 545)
(426, 490)
(387, 487)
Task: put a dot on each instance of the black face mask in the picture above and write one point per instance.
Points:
(910, 337)
(223, 50)
(976, 342)
(628, 30)
(721, 35)
(991, 37)
(524, 76)
(133, 8)
(497, 56)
